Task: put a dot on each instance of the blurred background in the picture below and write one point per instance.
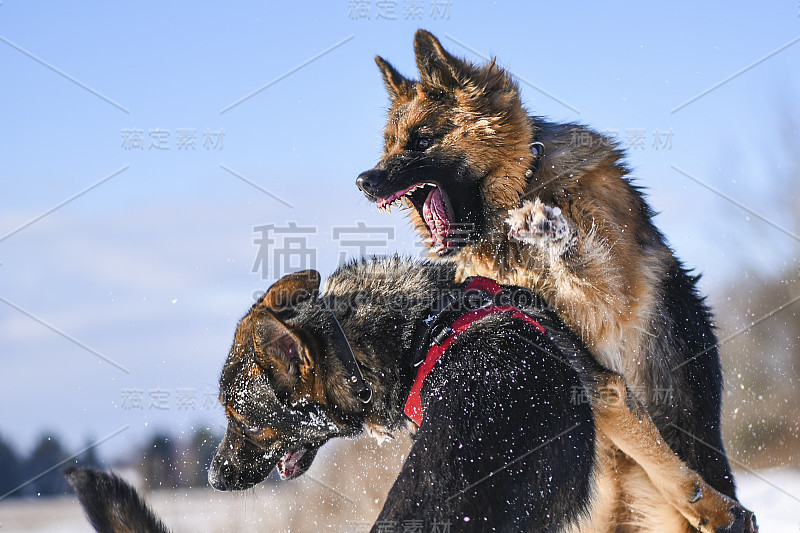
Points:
(163, 163)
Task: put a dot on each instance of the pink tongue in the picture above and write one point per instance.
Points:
(288, 464)
(433, 211)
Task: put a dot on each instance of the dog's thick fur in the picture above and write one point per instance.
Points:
(491, 398)
(549, 206)
(111, 504)
(503, 444)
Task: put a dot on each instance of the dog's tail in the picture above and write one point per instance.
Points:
(111, 504)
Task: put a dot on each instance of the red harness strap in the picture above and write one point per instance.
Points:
(413, 407)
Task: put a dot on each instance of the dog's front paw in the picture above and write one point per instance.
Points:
(541, 224)
(744, 521)
(720, 514)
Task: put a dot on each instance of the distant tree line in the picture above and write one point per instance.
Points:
(39, 473)
(759, 315)
(167, 462)
(164, 462)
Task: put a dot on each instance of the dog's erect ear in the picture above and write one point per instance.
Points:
(437, 68)
(396, 83)
(292, 290)
(278, 347)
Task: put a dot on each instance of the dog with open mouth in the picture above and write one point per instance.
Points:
(550, 206)
(486, 376)
(434, 209)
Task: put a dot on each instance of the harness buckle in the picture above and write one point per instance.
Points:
(439, 333)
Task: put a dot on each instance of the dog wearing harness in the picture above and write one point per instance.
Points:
(480, 296)
(503, 397)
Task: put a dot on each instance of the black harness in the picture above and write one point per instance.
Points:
(346, 356)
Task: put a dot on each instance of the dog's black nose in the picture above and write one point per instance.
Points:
(220, 476)
(217, 481)
(370, 181)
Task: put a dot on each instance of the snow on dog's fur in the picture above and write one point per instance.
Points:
(550, 207)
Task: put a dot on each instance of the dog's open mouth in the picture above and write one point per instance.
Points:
(288, 465)
(433, 206)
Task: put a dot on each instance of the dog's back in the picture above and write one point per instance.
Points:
(503, 446)
(111, 504)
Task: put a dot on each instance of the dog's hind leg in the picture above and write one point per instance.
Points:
(624, 420)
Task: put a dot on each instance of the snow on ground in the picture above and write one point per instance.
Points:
(774, 496)
(325, 503)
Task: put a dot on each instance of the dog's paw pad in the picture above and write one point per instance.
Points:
(538, 223)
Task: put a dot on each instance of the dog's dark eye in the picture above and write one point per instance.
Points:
(249, 430)
(252, 429)
(423, 143)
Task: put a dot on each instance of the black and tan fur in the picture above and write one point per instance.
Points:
(528, 205)
(502, 442)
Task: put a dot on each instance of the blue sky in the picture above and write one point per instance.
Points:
(152, 267)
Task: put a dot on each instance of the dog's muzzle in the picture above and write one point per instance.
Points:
(370, 181)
